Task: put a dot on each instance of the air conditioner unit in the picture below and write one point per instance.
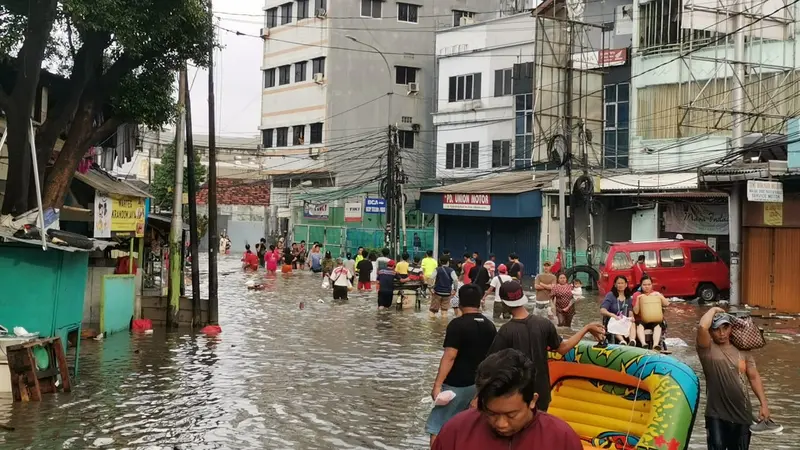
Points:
(314, 152)
(416, 127)
(319, 78)
(413, 88)
(265, 32)
(321, 13)
(466, 21)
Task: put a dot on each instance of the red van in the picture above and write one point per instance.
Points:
(678, 268)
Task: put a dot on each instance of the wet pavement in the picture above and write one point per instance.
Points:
(328, 376)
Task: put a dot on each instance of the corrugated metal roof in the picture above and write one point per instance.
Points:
(7, 234)
(499, 183)
(107, 184)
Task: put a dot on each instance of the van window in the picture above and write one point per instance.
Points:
(650, 259)
(671, 257)
(702, 255)
(621, 261)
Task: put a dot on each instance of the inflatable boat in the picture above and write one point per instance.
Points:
(624, 398)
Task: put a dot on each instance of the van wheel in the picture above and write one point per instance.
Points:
(707, 292)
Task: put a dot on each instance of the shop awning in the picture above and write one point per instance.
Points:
(107, 184)
(502, 195)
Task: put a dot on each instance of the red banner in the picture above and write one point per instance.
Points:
(469, 202)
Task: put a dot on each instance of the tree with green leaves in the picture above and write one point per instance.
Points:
(164, 178)
(119, 58)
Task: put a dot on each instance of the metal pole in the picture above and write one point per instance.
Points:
(737, 145)
(568, 113)
(402, 209)
(194, 238)
(176, 231)
(213, 233)
(40, 217)
(389, 233)
(562, 208)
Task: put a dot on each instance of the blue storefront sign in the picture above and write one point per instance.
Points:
(374, 206)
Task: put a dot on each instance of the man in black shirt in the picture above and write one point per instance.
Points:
(534, 336)
(466, 344)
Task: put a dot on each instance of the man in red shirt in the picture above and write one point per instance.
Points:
(249, 260)
(466, 266)
(506, 417)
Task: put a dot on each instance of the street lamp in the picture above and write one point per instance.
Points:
(391, 160)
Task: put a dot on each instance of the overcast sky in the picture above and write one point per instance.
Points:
(237, 72)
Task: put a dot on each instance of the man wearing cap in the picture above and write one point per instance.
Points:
(386, 277)
(727, 370)
(499, 308)
(534, 336)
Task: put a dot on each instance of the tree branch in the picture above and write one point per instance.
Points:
(103, 132)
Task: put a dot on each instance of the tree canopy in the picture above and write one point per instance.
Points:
(118, 59)
(164, 178)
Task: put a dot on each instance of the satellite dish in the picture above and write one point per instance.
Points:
(575, 8)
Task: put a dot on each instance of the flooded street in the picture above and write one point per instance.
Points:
(328, 376)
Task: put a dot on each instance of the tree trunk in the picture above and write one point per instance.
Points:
(20, 104)
(80, 138)
(20, 165)
(60, 176)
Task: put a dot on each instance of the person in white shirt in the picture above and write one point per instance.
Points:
(494, 287)
(340, 280)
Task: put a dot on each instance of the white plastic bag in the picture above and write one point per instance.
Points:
(326, 283)
(444, 398)
(621, 326)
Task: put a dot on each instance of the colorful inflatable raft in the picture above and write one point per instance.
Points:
(624, 398)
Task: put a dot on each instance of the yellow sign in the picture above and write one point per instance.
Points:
(773, 214)
(185, 198)
(127, 215)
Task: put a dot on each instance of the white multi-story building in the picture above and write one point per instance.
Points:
(474, 118)
(337, 73)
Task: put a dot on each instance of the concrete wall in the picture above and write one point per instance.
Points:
(93, 295)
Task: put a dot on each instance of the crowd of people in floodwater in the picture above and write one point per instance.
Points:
(492, 388)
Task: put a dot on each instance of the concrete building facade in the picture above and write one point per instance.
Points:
(337, 73)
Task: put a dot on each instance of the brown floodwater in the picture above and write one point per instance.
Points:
(328, 376)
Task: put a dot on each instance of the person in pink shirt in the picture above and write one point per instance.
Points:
(272, 257)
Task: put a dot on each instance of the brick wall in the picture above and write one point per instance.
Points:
(237, 192)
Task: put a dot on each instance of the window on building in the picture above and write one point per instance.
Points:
(269, 78)
(316, 133)
(266, 138)
(457, 15)
(272, 17)
(650, 259)
(284, 75)
(407, 12)
(502, 82)
(282, 137)
(371, 8)
(465, 87)
(617, 116)
(671, 257)
(300, 71)
(501, 154)
(286, 13)
(702, 255)
(302, 9)
(405, 75)
(523, 130)
(462, 155)
(405, 139)
(318, 66)
(298, 135)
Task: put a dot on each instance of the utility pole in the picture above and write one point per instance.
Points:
(192, 189)
(176, 232)
(737, 144)
(213, 232)
(390, 195)
(568, 225)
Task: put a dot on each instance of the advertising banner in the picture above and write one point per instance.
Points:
(469, 202)
(352, 212)
(696, 219)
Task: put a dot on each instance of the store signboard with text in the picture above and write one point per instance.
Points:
(352, 212)
(467, 202)
(118, 216)
(765, 191)
(375, 206)
(318, 211)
